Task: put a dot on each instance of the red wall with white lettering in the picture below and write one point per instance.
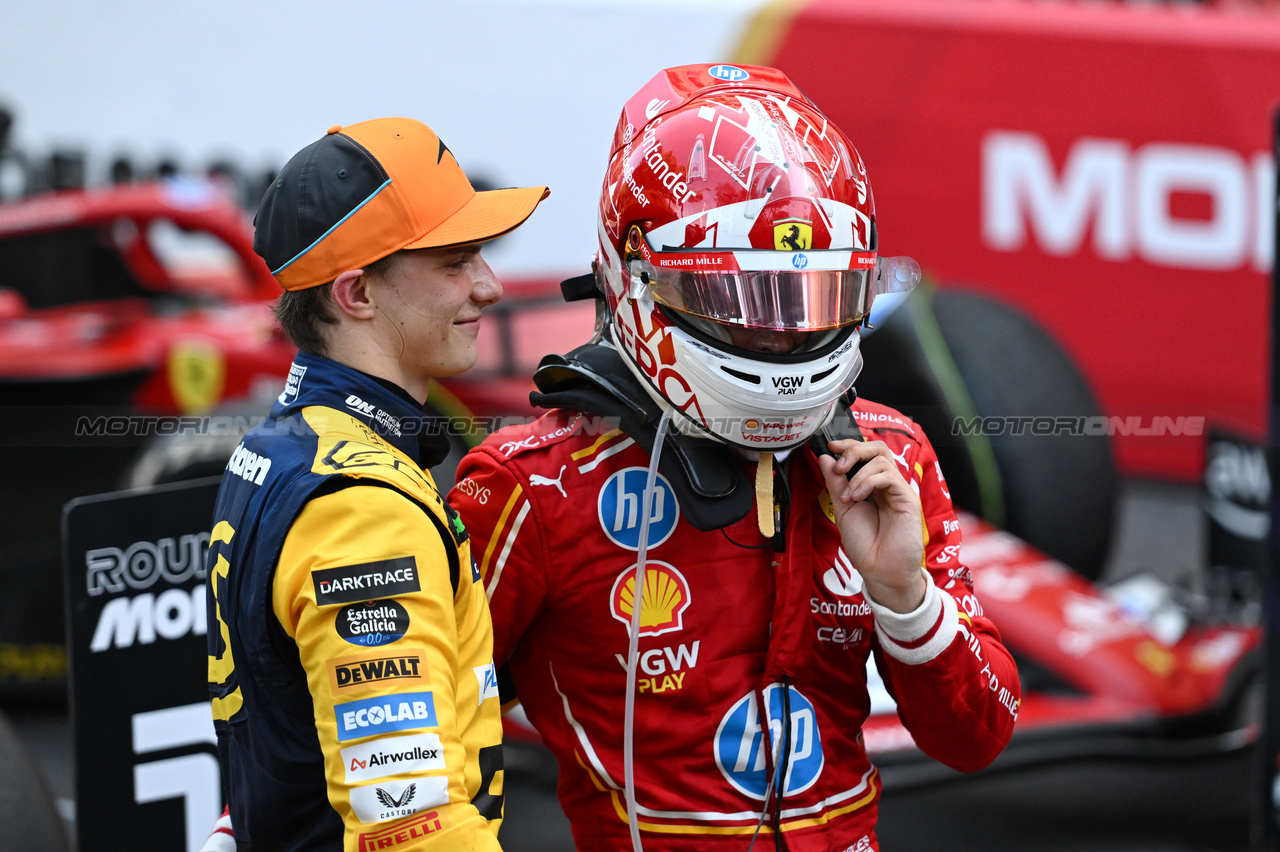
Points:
(1106, 168)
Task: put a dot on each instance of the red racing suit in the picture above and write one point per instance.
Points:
(728, 625)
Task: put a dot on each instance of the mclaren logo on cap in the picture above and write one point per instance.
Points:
(662, 604)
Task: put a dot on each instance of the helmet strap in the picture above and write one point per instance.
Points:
(764, 495)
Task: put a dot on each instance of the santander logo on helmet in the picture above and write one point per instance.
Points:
(731, 207)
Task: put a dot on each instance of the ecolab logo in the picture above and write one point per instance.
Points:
(374, 716)
(1125, 194)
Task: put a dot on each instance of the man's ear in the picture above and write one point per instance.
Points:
(351, 294)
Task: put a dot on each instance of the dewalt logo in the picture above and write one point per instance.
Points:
(359, 674)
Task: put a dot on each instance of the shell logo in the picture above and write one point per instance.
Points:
(752, 424)
(662, 604)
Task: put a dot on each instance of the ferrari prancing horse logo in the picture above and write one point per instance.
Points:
(792, 234)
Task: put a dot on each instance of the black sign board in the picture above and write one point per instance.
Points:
(147, 774)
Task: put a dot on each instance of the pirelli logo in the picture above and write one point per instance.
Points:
(366, 581)
(404, 832)
(360, 674)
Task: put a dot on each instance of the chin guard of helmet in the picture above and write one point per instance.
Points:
(708, 479)
(840, 427)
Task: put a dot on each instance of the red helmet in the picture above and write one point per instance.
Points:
(731, 201)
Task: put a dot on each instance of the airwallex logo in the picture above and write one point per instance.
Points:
(392, 756)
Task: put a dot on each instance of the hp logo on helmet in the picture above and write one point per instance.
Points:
(799, 261)
(728, 73)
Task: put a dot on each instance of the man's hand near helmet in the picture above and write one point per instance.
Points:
(880, 522)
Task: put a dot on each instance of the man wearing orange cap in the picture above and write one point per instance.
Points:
(350, 646)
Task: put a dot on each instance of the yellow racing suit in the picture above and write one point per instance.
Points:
(350, 646)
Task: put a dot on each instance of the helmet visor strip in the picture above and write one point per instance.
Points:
(730, 287)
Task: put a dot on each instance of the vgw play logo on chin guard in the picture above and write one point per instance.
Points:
(740, 744)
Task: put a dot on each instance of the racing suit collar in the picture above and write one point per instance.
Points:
(384, 406)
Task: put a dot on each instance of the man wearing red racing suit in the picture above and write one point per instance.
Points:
(551, 508)
(793, 530)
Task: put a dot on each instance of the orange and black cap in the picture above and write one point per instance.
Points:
(371, 189)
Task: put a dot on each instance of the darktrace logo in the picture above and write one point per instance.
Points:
(365, 581)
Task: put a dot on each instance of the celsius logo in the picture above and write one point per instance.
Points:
(740, 745)
(619, 508)
(842, 578)
(799, 261)
(662, 606)
(728, 73)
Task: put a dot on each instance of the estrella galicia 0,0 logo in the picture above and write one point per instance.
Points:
(372, 623)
